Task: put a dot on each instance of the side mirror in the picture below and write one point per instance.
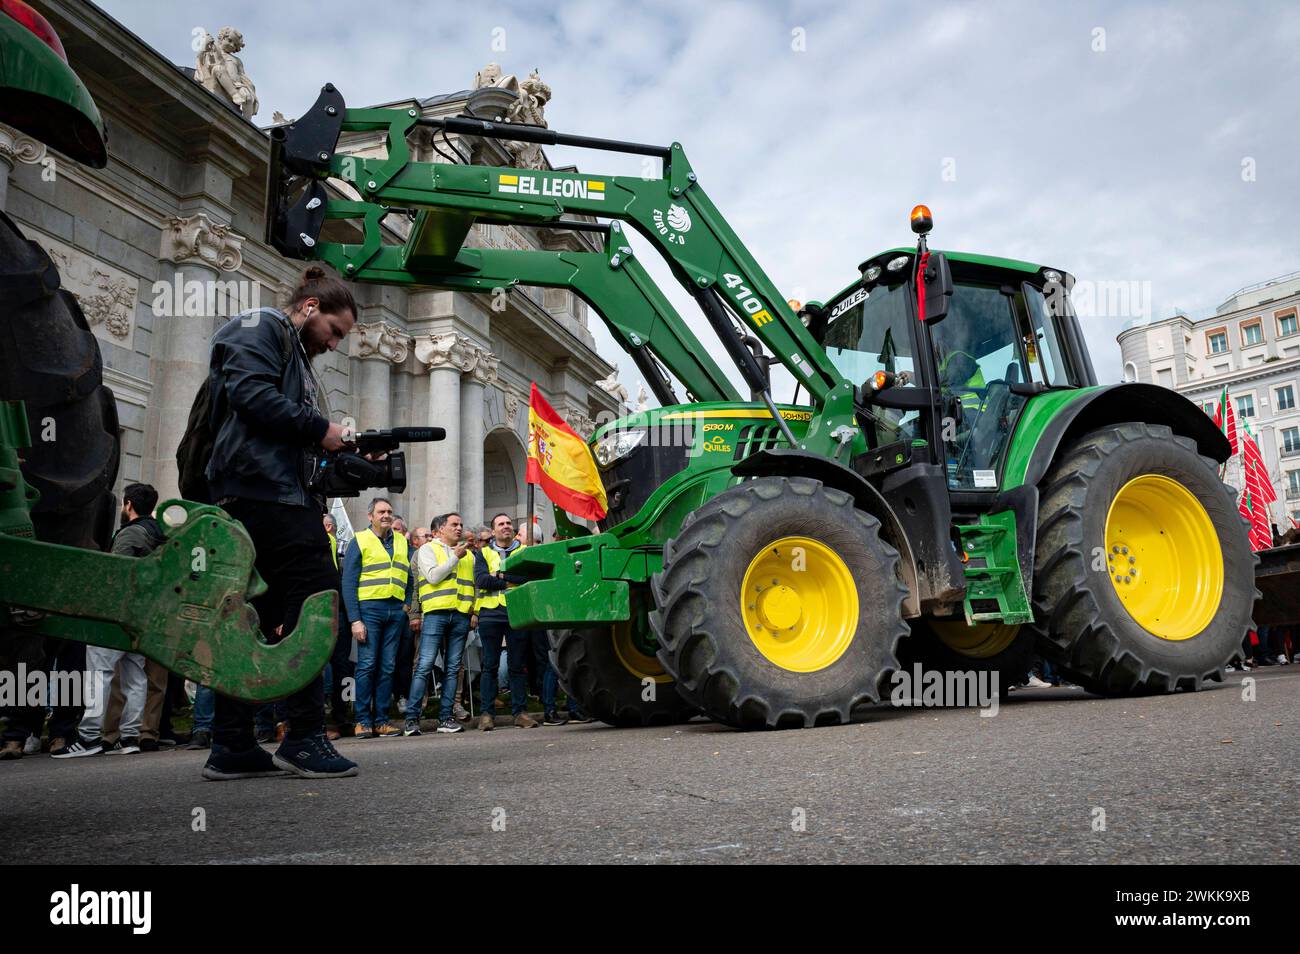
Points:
(938, 287)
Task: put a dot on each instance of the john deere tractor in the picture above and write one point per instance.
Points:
(955, 488)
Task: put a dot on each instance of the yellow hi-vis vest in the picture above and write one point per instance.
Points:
(334, 549)
(456, 591)
(383, 577)
(490, 599)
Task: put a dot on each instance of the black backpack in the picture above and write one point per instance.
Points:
(195, 448)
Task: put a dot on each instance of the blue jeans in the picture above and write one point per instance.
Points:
(376, 658)
(205, 709)
(491, 633)
(446, 630)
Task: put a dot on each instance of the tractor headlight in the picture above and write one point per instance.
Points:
(1051, 275)
(872, 273)
(618, 444)
(898, 264)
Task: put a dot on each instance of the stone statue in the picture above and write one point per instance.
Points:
(530, 110)
(220, 71)
(613, 388)
(490, 76)
(642, 398)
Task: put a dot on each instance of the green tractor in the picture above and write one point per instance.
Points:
(955, 490)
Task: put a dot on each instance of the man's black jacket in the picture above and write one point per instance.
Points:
(138, 538)
(263, 411)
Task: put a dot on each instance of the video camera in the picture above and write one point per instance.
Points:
(345, 473)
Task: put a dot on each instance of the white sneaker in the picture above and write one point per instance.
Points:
(1033, 682)
(32, 745)
(1282, 661)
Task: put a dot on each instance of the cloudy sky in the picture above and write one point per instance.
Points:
(1154, 143)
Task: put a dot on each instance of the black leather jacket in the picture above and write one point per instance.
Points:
(263, 411)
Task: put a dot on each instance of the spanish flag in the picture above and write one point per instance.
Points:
(560, 461)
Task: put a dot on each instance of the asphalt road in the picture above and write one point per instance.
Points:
(1203, 777)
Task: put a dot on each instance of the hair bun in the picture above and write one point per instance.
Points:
(313, 273)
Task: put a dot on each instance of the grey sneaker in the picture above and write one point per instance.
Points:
(412, 727)
(122, 747)
(32, 745)
(450, 725)
(459, 713)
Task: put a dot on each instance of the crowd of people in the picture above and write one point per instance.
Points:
(423, 627)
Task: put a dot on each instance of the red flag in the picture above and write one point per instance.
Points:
(1225, 420)
(1253, 463)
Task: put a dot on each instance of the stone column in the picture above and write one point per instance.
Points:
(200, 250)
(447, 356)
(379, 346)
(483, 373)
(15, 147)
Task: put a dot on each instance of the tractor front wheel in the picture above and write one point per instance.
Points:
(1144, 576)
(779, 606)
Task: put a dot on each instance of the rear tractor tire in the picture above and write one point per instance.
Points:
(1144, 578)
(779, 606)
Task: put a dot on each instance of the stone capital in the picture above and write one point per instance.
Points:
(19, 147)
(448, 350)
(381, 340)
(198, 238)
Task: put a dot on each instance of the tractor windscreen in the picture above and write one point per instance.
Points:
(869, 330)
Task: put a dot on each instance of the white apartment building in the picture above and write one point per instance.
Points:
(1251, 345)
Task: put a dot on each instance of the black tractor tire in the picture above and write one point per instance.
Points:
(928, 647)
(49, 359)
(1082, 624)
(594, 675)
(703, 638)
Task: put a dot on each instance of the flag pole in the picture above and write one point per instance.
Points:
(528, 537)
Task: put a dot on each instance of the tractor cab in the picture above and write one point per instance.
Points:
(951, 388)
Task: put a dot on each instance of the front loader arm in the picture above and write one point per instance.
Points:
(672, 211)
(642, 321)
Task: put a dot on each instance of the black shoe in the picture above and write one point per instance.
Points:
(251, 763)
(313, 757)
(149, 745)
(554, 718)
(128, 746)
(200, 739)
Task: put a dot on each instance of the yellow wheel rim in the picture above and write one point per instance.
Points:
(979, 641)
(1163, 557)
(799, 604)
(633, 659)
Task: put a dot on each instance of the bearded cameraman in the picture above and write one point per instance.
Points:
(267, 426)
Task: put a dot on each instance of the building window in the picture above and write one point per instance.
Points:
(1209, 407)
(1293, 485)
(1252, 334)
(1130, 371)
(1286, 324)
(1165, 377)
(1290, 441)
(1245, 405)
(1218, 342)
(1285, 398)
